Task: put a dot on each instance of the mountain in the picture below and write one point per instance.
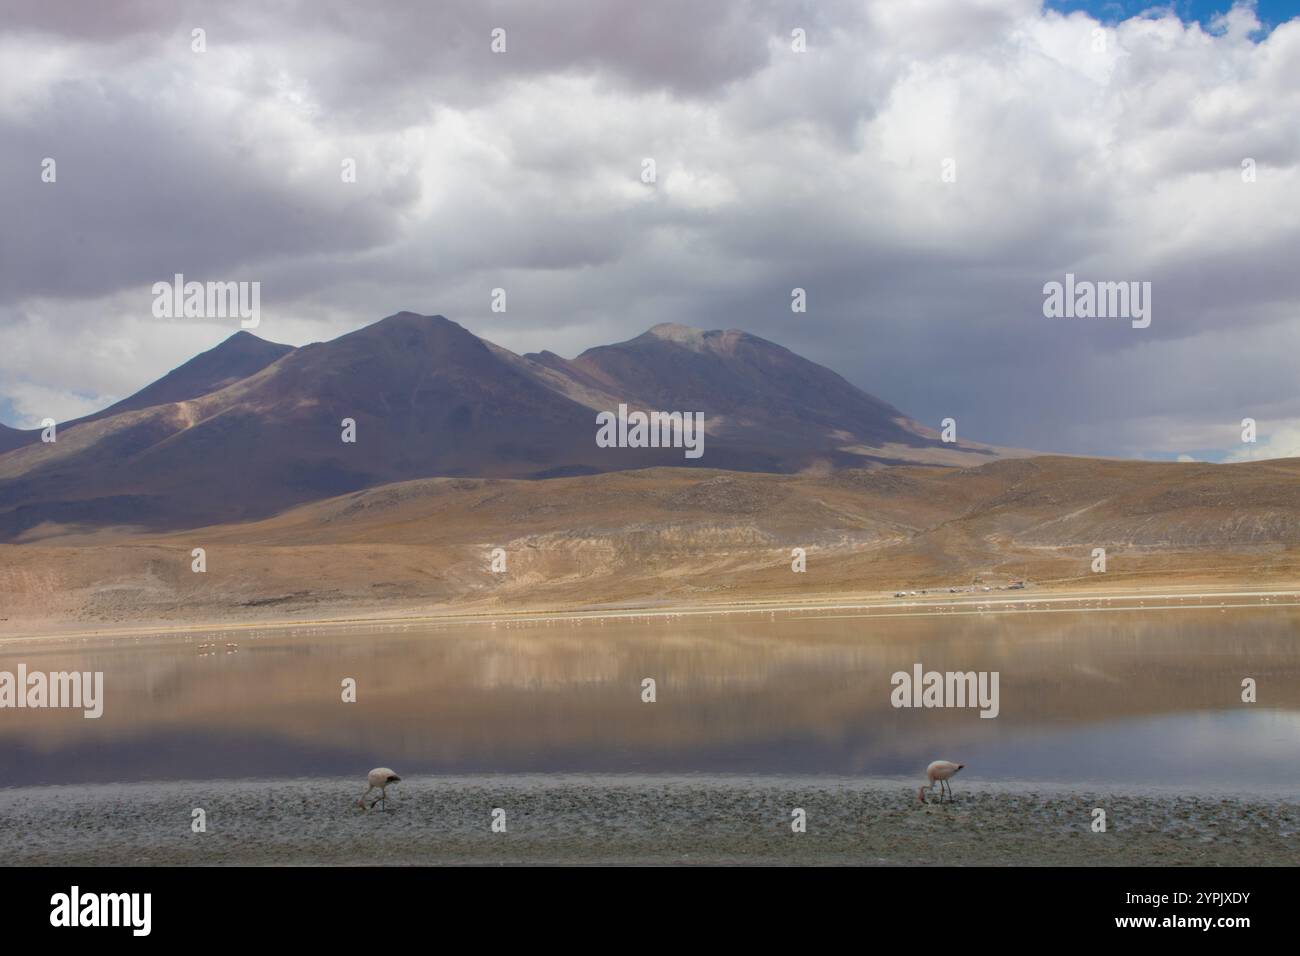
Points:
(237, 357)
(250, 428)
(790, 412)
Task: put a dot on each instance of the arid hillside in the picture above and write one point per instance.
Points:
(677, 536)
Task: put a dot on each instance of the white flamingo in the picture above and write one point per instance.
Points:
(939, 772)
(379, 779)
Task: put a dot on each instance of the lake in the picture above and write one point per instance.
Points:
(1133, 697)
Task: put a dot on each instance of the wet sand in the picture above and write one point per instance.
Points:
(668, 820)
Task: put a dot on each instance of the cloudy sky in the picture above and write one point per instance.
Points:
(1085, 138)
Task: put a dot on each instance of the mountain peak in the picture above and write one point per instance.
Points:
(244, 341)
(412, 332)
(681, 334)
(406, 317)
(697, 340)
(234, 358)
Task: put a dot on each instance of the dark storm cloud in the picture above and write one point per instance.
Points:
(144, 190)
(680, 45)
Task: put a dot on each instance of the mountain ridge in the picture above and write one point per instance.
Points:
(428, 399)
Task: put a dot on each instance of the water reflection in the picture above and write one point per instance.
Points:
(1136, 697)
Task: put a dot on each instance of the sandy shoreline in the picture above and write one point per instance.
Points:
(1039, 600)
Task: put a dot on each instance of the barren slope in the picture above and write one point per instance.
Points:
(685, 535)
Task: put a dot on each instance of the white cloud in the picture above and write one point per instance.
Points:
(776, 169)
(1281, 440)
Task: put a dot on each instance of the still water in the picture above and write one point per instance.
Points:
(1144, 697)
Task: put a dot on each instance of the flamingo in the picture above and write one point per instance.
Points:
(379, 779)
(938, 772)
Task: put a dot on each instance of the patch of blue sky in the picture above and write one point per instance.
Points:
(1271, 13)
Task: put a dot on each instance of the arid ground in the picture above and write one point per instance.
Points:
(678, 537)
(639, 820)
